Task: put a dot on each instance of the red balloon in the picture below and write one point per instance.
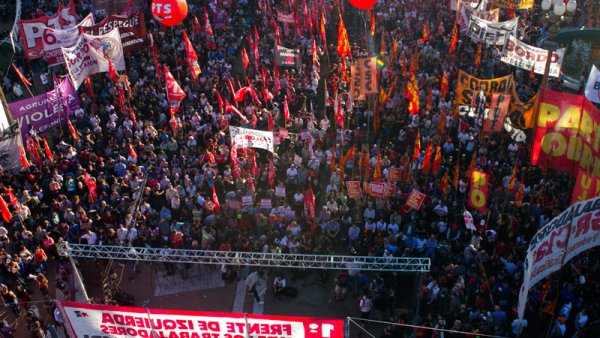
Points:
(169, 12)
(363, 4)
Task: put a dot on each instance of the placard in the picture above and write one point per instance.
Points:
(284, 133)
(297, 160)
(247, 201)
(265, 203)
(415, 199)
(354, 191)
(394, 174)
(280, 191)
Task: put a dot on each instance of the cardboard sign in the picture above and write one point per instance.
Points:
(247, 201)
(265, 203)
(354, 191)
(280, 191)
(415, 199)
(297, 160)
(284, 133)
(377, 189)
(389, 190)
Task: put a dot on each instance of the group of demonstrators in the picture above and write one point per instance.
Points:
(135, 165)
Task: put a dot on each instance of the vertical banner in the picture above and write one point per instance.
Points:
(364, 78)
(355, 84)
(494, 117)
(567, 134)
(586, 187)
(479, 191)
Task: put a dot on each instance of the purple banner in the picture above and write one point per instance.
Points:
(44, 111)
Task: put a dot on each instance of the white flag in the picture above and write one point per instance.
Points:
(592, 90)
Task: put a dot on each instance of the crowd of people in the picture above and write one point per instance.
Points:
(154, 175)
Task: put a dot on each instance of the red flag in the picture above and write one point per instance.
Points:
(512, 10)
(112, 73)
(74, 133)
(270, 121)
(6, 215)
(23, 78)
(173, 119)
(196, 28)
(427, 158)
(372, 22)
(245, 59)
(444, 85)
(255, 170)
(513, 178)
(234, 162)
(322, 30)
(453, 40)
(209, 32)
(339, 112)
(272, 173)
(532, 73)
(32, 149)
(88, 85)
(24, 162)
(343, 46)
(520, 194)
(286, 109)
(229, 108)
(49, 155)
(132, 152)
(309, 203)
(241, 93)
(477, 61)
(412, 94)
(155, 58)
(276, 81)
(174, 92)
(91, 186)
(215, 199)
(191, 57)
(444, 183)
(425, 34)
(442, 122)
(437, 160)
(417, 147)
(344, 71)
(377, 175)
(220, 101)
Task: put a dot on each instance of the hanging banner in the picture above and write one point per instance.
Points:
(519, 4)
(93, 320)
(415, 199)
(10, 142)
(572, 232)
(251, 138)
(567, 133)
(355, 84)
(132, 29)
(465, 10)
(586, 187)
(43, 112)
(104, 8)
(32, 31)
(285, 18)
(469, 87)
(592, 88)
(526, 57)
(286, 57)
(354, 191)
(494, 117)
(491, 33)
(479, 191)
(54, 39)
(91, 55)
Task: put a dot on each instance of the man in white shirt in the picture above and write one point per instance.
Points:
(279, 285)
(90, 237)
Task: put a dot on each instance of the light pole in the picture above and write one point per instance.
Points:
(557, 12)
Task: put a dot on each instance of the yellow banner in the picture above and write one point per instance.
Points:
(469, 87)
(519, 4)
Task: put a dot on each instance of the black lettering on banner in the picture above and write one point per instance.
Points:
(368, 75)
(597, 85)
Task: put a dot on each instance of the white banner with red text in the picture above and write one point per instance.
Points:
(92, 320)
(251, 138)
(524, 56)
(573, 231)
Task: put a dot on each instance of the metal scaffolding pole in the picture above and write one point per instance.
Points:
(272, 260)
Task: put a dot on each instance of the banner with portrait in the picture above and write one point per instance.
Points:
(465, 10)
(132, 29)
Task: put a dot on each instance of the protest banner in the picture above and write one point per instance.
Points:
(364, 77)
(592, 88)
(10, 143)
(469, 86)
(251, 138)
(286, 18)
(524, 56)
(519, 4)
(287, 57)
(415, 199)
(91, 54)
(389, 190)
(465, 10)
(376, 189)
(354, 191)
(495, 115)
(585, 187)
(32, 31)
(567, 235)
(46, 111)
(567, 133)
(280, 191)
(95, 320)
(491, 33)
(265, 203)
(132, 29)
(478, 193)
(54, 39)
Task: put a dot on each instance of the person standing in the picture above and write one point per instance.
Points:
(366, 305)
(279, 285)
(251, 282)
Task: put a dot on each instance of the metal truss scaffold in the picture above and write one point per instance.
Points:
(260, 259)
